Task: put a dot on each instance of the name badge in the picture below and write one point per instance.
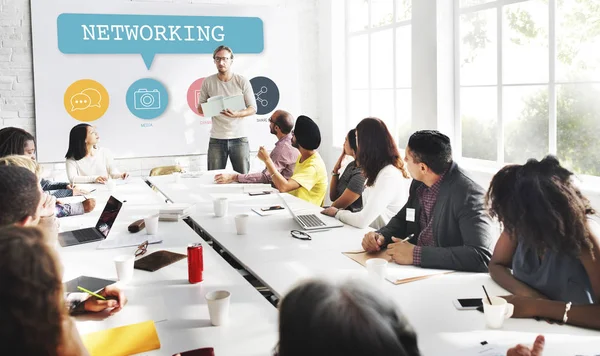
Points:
(410, 214)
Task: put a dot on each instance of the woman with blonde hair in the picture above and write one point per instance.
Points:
(60, 209)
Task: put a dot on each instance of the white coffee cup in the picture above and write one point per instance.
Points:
(124, 266)
(177, 177)
(111, 185)
(218, 306)
(497, 312)
(377, 269)
(220, 206)
(241, 224)
(151, 223)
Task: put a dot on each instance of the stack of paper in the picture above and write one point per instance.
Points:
(216, 104)
(174, 212)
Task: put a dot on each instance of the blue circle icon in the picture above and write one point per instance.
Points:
(147, 98)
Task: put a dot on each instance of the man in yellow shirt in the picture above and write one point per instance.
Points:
(309, 180)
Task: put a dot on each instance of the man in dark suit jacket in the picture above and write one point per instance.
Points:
(444, 220)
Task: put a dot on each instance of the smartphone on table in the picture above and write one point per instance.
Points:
(467, 303)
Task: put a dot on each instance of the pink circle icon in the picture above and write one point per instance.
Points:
(193, 95)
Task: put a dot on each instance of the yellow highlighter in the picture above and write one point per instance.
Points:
(90, 293)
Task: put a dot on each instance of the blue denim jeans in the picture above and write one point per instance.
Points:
(237, 149)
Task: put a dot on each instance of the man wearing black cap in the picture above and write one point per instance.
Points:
(309, 181)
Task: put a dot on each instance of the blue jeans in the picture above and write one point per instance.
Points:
(237, 149)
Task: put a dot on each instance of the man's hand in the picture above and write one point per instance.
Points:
(48, 205)
(263, 155)
(230, 113)
(225, 178)
(372, 241)
(401, 252)
(89, 205)
(115, 299)
(331, 211)
(101, 179)
(536, 350)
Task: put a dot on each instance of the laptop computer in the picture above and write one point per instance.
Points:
(96, 233)
(312, 222)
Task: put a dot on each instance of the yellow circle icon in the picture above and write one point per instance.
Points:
(86, 100)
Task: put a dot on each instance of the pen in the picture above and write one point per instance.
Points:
(408, 237)
(91, 293)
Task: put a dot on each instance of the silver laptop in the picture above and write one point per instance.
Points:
(97, 233)
(312, 221)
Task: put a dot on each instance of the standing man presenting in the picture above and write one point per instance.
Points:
(227, 135)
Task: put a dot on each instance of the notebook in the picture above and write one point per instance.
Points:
(123, 341)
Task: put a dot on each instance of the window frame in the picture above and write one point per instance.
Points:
(369, 31)
(500, 85)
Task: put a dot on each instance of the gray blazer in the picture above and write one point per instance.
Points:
(462, 229)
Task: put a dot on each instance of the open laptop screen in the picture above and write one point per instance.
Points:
(109, 215)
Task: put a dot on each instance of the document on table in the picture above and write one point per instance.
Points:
(397, 274)
(123, 240)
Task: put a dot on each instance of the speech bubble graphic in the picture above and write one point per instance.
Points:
(80, 101)
(95, 97)
(149, 35)
(86, 100)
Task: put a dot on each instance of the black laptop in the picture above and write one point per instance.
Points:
(97, 233)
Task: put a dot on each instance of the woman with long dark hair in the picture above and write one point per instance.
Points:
(345, 191)
(548, 255)
(86, 162)
(34, 318)
(387, 180)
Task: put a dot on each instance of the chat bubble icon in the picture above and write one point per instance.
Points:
(80, 101)
(94, 95)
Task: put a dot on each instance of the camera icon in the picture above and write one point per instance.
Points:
(144, 99)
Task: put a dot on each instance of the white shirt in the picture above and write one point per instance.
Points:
(87, 169)
(381, 202)
(224, 127)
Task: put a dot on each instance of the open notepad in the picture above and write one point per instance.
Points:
(216, 104)
(397, 274)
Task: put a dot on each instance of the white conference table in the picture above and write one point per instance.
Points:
(179, 308)
(280, 261)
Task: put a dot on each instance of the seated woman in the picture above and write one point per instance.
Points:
(345, 191)
(548, 255)
(319, 318)
(34, 318)
(61, 209)
(387, 180)
(86, 162)
(16, 141)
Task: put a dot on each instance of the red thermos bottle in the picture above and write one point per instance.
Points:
(195, 263)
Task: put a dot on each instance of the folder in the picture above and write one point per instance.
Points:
(396, 274)
(123, 341)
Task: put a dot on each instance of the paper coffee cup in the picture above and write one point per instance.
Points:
(218, 306)
(220, 207)
(124, 266)
(241, 224)
(151, 223)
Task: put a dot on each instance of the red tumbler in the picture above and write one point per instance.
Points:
(195, 263)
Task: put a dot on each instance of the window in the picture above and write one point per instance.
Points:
(529, 81)
(378, 57)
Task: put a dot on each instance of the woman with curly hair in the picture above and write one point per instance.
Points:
(548, 254)
(387, 179)
(33, 316)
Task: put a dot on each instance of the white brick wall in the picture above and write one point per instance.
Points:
(16, 75)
